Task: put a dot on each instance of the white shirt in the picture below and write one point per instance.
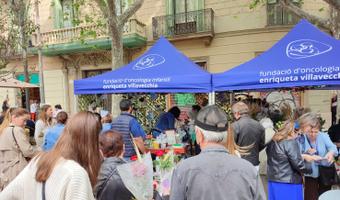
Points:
(68, 181)
(33, 108)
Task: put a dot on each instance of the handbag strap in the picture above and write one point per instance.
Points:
(16, 142)
(43, 194)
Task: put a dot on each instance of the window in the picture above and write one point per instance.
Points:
(184, 16)
(276, 15)
(63, 13)
(183, 6)
(68, 13)
(202, 64)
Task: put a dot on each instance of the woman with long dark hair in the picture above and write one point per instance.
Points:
(69, 171)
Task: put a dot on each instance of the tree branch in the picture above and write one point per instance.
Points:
(334, 3)
(286, 4)
(103, 7)
(112, 14)
(129, 12)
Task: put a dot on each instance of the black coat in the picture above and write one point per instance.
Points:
(247, 132)
(109, 184)
(285, 163)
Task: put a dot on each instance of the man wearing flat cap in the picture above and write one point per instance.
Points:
(214, 173)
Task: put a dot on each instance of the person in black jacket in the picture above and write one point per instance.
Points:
(248, 132)
(109, 184)
(285, 165)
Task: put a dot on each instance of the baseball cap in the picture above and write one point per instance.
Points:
(212, 118)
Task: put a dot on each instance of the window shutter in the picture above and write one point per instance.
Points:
(271, 1)
(58, 14)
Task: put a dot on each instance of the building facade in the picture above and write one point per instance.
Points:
(217, 34)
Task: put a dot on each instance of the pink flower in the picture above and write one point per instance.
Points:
(138, 169)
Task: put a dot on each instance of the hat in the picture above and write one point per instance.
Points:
(104, 113)
(212, 118)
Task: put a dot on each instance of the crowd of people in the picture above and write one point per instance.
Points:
(242, 156)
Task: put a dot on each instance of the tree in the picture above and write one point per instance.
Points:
(20, 19)
(8, 38)
(332, 23)
(115, 24)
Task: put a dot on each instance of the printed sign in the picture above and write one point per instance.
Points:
(306, 48)
(149, 61)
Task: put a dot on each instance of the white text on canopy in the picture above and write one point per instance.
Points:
(300, 74)
(134, 83)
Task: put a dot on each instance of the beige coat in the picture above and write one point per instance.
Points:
(13, 160)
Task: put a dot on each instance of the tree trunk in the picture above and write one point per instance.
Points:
(24, 60)
(335, 30)
(40, 60)
(117, 52)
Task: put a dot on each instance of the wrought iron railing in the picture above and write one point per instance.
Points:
(276, 15)
(67, 35)
(181, 24)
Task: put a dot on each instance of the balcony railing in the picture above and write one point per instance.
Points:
(67, 35)
(199, 22)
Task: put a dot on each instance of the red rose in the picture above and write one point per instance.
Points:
(159, 153)
(133, 158)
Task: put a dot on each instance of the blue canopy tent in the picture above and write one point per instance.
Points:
(162, 69)
(304, 57)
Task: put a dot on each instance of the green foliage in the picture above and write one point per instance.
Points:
(255, 3)
(223, 101)
(147, 108)
(166, 161)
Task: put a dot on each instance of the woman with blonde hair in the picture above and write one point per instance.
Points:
(44, 122)
(7, 120)
(69, 171)
(15, 148)
(285, 165)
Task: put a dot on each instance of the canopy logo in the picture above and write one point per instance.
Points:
(149, 61)
(306, 48)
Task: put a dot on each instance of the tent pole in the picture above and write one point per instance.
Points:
(211, 98)
(231, 98)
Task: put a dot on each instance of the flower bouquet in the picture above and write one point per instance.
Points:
(137, 176)
(165, 164)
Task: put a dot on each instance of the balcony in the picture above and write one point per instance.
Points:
(193, 24)
(89, 38)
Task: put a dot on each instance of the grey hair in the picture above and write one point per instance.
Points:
(309, 119)
(240, 107)
(212, 136)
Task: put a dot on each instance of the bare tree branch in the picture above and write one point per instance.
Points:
(103, 7)
(129, 12)
(334, 3)
(286, 4)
